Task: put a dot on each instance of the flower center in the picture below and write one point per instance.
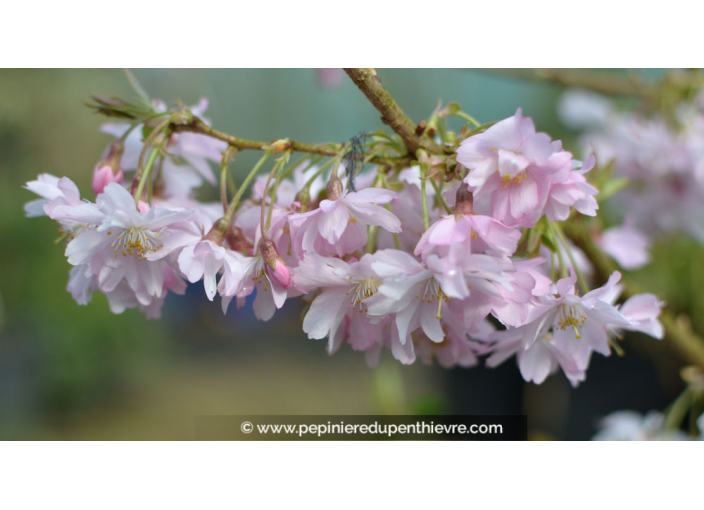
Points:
(259, 276)
(507, 180)
(364, 289)
(571, 317)
(136, 240)
(433, 293)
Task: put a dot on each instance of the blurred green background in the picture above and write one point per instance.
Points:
(72, 372)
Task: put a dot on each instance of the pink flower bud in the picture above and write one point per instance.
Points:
(143, 207)
(279, 274)
(103, 175)
(276, 268)
(109, 170)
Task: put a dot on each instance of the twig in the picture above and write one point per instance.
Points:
(604, 83)
(196, 125)
(391, 113)
(677, 328)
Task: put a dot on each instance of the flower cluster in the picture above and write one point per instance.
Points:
(659, 157)
(438, 260)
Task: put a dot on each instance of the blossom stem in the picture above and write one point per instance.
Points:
(263, 222)
(554, 237)
(438, 195)
(336, 169)
(553, 269)
(385, 185)
(317, 174)
(231, 184)
(372, 234)
(276, 170)
(678, 409)
(468, 118)
(298, 163)
(617, 348)
(245, 184)
(227, 157)
(145, 175)
(424, 196)
(397, 243)
(561, 259)
(139, 177)
(568, 250)
(156, 175)
(313, 161)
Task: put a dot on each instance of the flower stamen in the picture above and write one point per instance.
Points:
(136, 240)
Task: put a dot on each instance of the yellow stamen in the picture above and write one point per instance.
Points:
(507, 180)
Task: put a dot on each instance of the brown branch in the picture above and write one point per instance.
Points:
(391, 113)
(196, 125)
(604, 83)
(677, 328)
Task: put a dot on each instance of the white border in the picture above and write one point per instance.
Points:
(307, 33)
(350, 475)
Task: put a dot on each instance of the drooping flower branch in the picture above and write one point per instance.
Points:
(196, 125)
(604, 83)
(449, 248)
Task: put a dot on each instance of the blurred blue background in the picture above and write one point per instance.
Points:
(72, 372)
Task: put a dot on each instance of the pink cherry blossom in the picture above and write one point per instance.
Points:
(540, 359)
(476, 232)
(519, 175)
(119, 243)
(428, 296)
(272, 287)
(564, 329)
(54, 193)
(205, 259)
(339, 226)
(104, 175)
(569, 189)
(346, 289)
(507, 148)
